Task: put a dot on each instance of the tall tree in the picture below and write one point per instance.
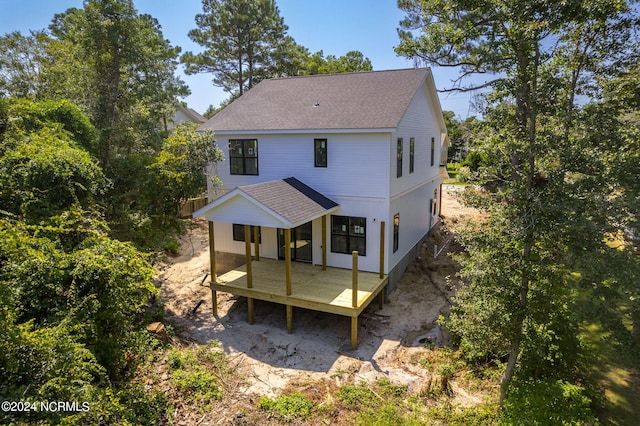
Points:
(20, 62)
(546, 213)
(132, 84)
(240, 38)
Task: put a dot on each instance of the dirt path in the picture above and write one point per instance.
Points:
(319, 347)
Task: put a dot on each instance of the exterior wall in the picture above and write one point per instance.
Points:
(416, 221)
(375, 210)
(411, 194)
(356, 163)
(420, 123)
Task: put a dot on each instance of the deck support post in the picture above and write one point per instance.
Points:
(287, 259)
(382, 235)
(324, 242)
(256, 243)
(354, 279)
(212, 265)
(247, 252)
(354, 333)
(289, 319)
(247, 247)
(250, 317)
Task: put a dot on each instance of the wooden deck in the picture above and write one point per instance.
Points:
(311, 288)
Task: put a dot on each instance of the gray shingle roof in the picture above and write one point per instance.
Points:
(290, 198)
(361, 100)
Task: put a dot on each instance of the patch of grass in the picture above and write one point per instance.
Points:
(197, 385)
(548, 401)
(196, 373)
(389, 414)
(354, 396)
(455, 415)
(615, 370)
(287, 407)
(387, 388)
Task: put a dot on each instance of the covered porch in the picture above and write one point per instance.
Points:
(286, 204)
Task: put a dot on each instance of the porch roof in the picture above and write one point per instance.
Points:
(282, 203)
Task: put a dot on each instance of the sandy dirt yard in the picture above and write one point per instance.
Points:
(319, 348)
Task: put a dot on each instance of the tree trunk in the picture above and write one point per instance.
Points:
(240, 76)
(514, 352)
(511, 366)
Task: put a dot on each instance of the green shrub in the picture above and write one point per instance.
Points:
(389, 389)
(477, 415)
(171, 246)
(387, 415)
(548, 402)
(197, 385)
(357, 396)
(287, 407)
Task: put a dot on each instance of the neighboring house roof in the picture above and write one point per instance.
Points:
(187, 114)
(282, 203)
(359, 100)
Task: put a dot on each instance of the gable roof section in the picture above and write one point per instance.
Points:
(283, 203)
(359, 100)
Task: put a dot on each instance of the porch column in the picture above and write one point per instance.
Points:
(287, 269)
(354, 279)
(324, 242)
(287, 260)
(256, 243)
(354, 298)
(212, 265)
(382, 235)
(247, 247)
(381, 274)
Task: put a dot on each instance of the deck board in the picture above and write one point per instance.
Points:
(311, 287)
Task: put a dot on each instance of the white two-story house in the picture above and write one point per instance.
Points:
(357, 148)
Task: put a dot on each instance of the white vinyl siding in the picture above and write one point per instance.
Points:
(356, 163)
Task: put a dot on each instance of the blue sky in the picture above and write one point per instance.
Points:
(334, 26)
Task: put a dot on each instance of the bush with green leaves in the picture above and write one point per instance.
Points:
(287, 407)
(99, 289)
(44, 167)
(547, 402)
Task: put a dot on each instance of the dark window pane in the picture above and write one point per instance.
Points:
(320, 152)
(399, 160)
(235, 148)
(433, 148)
(358, 244)
(251, 148)
(243, 156)
(339, 244)
(237, 166)
(238, 233)
(396, 232)
(250, 166)
(357, 227)
(412, 151)
(339, 225)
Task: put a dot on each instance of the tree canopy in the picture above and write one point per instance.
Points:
(544, 186)
(246, 41)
